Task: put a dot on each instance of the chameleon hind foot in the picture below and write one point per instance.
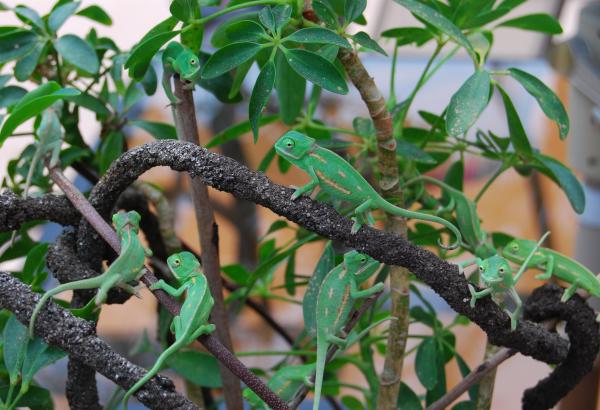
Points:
(356, 226)
(513, 319)
(473, 296)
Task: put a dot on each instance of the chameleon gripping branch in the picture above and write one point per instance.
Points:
(212, 344)
(228, 175)
(77, 337)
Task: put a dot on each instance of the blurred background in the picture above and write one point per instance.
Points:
(515, 205)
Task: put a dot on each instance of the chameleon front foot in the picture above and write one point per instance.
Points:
(513, 319)
(355, 226)
(473, 296)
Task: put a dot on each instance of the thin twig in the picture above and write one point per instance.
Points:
(212, 344)
(184, 113)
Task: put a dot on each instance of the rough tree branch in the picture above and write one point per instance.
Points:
(227, 175)
(58, 327)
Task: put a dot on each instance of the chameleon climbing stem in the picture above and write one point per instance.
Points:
(338, 178)
(192, 320)
(128, 267)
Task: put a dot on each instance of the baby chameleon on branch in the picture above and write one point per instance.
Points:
(338, 292)
(497, 275)
(339, 179)
(192, 320)
(553, 263)
(128, 267)
(179, 59)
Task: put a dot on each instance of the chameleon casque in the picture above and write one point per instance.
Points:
(192, 320)
(337, 294)
(338, 178)
(553, 263)
(127, 267)
(285, 382)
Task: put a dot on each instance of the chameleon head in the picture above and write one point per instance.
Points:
(188, 65)
(183, 264)
(123, 219)
(360, 265)
(495, 270)
(512, 249)
(294, 145)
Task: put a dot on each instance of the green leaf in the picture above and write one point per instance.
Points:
(15, 339)
(200, 368)
(438, 21)
(464, 371)
(35, 262)
(267, 19)
(464, 405)
(317, 70)
(220, 38)
(352, 403)
(326, 14)
(425, 363)
(547, 100)
(540, 22)
(237, 130)
(237, 273)
(245, 31)
(150, 81)
(467, 104)
(36, 398)
(32, 104)
(77, 52)
(26, 65)
(260, 95)
(317, 35)
(10, 95)
(229, 57)
(133, 95)
(60, 14)
(412, 152)
(563, 177)
(367, 42)
(290, 275)
(309, 302)
(142, 54)
(282, 14)
(29, 16)
(158, 130)
(408, 35)
(291, 89)
(408, 399)
(96, 13)
(38, 356)
(16, 44)
(353, 9)
(91, 103)
(110, 150)
(184, 10)
(224, 86)
(518, 137)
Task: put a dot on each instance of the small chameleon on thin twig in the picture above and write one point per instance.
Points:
(553, 263)
(128, 267)
(339, 179)
(339, 291)
(179, 59)
(497, 275)
(192, 320)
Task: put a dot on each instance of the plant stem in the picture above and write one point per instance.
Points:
(212, 344)
(489, 182)
(187, 130)
(226, 10)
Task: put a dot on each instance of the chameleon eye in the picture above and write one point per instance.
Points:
(289, 143)
(193, 62)
(515, 247)
(501, 270)
(480, 268)
(176, 262)
(363, 260)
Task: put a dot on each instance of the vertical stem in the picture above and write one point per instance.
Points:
(389, 380)
(187, 130)
(486, 385)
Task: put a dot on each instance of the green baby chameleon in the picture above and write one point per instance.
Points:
(474, 238)
(497, 276)
(127, 267)
(285, 382)
(337, 294)
(339, 179)
(179, 59)
(192, 320)
(553, 263)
